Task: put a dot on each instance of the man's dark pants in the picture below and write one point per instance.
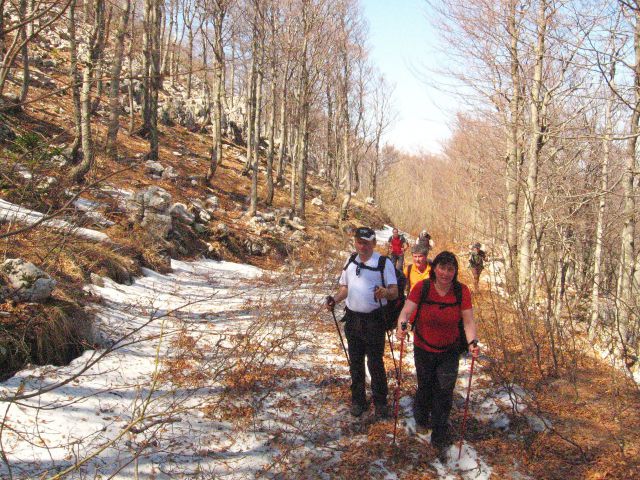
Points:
(437, 374)
(365, 336)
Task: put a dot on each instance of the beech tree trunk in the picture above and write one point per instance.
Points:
(526, 256)
(114, 90)
(626, 297)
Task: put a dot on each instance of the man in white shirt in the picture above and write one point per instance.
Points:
(363, 287)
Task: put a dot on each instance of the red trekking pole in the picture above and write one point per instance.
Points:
(466, 406)
(396, 394)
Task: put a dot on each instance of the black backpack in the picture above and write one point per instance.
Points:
(460, 345)
(393, 307)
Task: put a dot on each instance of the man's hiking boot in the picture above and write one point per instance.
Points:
(382, 412)
(441, 440)
(422, 427)
(357, 409)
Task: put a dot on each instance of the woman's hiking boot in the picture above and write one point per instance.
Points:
(382, 412)
(423, 422)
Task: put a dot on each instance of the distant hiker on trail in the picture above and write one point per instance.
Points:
(397, 246)
(418, 270)
(477, 258)
(424, 239)
(361, 286)
(441, 303)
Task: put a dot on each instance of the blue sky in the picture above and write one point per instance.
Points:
(403, 43)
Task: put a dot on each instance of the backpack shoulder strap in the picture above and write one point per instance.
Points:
(381, 263)
(409, 275)
(352, 259)
(424, 294)
(457, 291)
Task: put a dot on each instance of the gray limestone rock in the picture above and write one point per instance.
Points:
(169, 173)
(26, 282)
(154, 168)
(154, 198)
(212, 203)
(180, 213)
(157, 223)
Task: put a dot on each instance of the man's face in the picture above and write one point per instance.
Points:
(395, 232)
(420, 261)
(364, 247)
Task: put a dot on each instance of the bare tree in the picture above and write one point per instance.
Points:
(151, 74)
(114, 91)
(626, 296)
(382, 119)
(219, 11)
(95, 46)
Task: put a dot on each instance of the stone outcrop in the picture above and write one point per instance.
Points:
(25, 282)
(150, 208)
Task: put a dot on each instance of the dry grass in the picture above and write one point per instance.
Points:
(52, 333)
(594, 409)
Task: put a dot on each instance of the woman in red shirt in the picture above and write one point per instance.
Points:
(436, 342)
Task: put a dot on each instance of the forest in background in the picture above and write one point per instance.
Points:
(542, 165)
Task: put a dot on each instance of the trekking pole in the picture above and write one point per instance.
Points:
(335, 320)
(396, 394)
(393, 356)
(466, 407)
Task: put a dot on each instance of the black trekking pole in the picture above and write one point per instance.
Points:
(396, 394)
(335, 320)
(393, 357)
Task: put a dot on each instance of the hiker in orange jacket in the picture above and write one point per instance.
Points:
(420, 268)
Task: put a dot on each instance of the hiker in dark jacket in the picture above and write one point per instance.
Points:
(361, 285)
(477, 257)
(436, 343)
(397, 246)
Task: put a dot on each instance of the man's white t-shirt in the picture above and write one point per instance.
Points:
(361, 287)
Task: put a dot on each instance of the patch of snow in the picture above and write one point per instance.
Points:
(382, 236)
(10, 212)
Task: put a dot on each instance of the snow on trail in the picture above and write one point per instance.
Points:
(197, 378)
(121, 393)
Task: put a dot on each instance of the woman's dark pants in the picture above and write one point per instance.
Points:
(437, 374)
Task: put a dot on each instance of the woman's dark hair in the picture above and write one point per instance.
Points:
(444, 258)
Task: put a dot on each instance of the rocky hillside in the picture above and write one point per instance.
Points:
(146, 212)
